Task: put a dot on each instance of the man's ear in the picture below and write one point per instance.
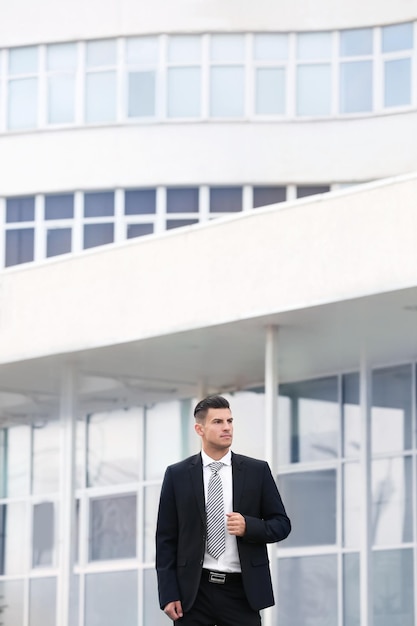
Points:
(198, 429)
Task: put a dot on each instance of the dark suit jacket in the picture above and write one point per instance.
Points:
(181, 529)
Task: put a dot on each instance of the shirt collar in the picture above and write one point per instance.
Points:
(227, 459)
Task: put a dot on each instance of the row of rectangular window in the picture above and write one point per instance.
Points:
(20, 241)
(172, 87)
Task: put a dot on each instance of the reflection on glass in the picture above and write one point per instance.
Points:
(164, 424)
(61, 99)
(270, 46)
(355, 42)
(227, 91)
(20, 246)
(270, 91)
(392, 502)
(12, 538)
(142, 50)
(101, 97)
(151, 614)
(11, 599)
(58, 241)
(391, 409)
(59, 206)
(351, 505)
(98, 235)
(397, 90)
(43, 534)
(139, 230)
(310, 500)
(15, 480)
(20, 209)
(151, 502)
(23, 60)
(262, 196)
(42, 602)
(314, 417)
(142, 94)
(314, 89)
(397, 37)
(351, 415)
(184, 49)
(307, 591)
(46, 440)
(101, 53)
(61, 56)
(227, 48)
(111, 599)
(351, 580)
(113, 447)
(140, 201)
(23, 97)
(113, 528)
(182, 200)
(184, 91)
(314, 45)
(99, 204)
(225, 199)
(356, 86)
(393, 579)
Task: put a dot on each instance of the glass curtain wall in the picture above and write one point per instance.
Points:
(121, 456)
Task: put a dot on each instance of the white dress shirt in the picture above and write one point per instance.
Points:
(229, 560)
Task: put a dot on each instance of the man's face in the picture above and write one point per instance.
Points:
(217, 431)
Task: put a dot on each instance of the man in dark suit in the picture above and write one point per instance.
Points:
(217, 512)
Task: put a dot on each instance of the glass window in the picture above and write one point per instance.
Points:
(227, 48)
(98, 235)
(311, 190)
(139, 230)
(397, 87)
(23, 104)
(141, 93)
(42, 602)
(58, 241)
(11, 602)
(140, 201)
(356, 42)
(314, 89)
(393, 579)
(351, 505)
(20, 246)
(142, 50)
(111, 598)
(151, 613)
(151, 503)
(99, 204)
(179, 223)
(113, 447)
(23, 60)
(397, 37)
(101, 53)
(61, 99)
(45, 464)
(20, 209)
(313, 415)
(61, 56)
(182, 200)
(270, 91)
(163, 417)
(184, 92)
(392, 501)
(262, 196)
(303, 493)
(314, 46)
(101, 97)
(59, 207)
(225, 199)
(227, 91)
(16, 462)
(184, 49)
(307, 593)
(12, 539)
(356, 87)
(270, 47)
(113, 528)
(351, 578)
(43, 536)
(351, 415)
(391, 409)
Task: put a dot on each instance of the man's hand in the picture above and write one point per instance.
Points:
(236, 524)
(173, 610)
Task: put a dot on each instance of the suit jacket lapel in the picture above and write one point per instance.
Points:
(238, 471)
(196, 473)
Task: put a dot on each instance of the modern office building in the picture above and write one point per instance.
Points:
(200, 196)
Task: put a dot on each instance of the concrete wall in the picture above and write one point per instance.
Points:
(26, 21)
(325, 249)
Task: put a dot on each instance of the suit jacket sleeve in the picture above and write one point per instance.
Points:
(272, 524)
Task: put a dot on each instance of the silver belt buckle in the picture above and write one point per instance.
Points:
(217, 577)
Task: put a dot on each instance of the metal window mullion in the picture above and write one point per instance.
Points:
(205, 76)
(77, 229)
(3, 91)
(204, 203)
(161, 203)
(39, 252)
(414, 473)
(2, 232)
(42, 88)
(365, 462)
(120, 231)
(80, 80)
(162, 91)
(335, 73)
(291, 78)
(339, 506)
(249, 104)
(247, 199)
(120, 81)
(378, 72)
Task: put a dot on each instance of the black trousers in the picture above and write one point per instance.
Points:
(220, 605)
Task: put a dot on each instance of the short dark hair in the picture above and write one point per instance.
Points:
(210, 402)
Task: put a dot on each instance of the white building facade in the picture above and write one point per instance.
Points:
(204, 197)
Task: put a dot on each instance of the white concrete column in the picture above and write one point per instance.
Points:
(66, 538)
(271, 450)
(366, 584)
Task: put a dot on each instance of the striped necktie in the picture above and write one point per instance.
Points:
(216, 535)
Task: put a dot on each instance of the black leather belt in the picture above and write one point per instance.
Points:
(221, 578)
